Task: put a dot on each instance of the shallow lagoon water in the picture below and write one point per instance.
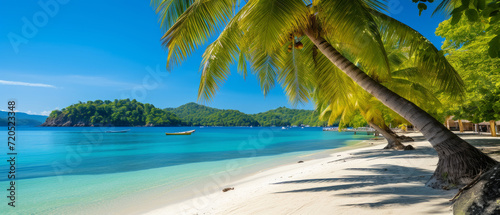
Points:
(85, 170)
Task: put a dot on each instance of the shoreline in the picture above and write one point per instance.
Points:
(365, 180)
(182, 206)
(234, 175)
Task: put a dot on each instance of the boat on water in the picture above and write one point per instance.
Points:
(122, 131)
(181, 133)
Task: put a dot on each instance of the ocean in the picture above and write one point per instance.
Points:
(75, 170)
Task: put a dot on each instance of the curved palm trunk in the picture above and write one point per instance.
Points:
(458, 161)
(392, 140)
(401, 138)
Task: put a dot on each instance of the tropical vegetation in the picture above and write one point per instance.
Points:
(283, 116)
(406, 80)
(466, 46)
(128, 112)
(193, 114)
(123, 112)
(475, 12)
(300, 44)
(196, 115)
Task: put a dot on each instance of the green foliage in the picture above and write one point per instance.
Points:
(117, 113)
(484, 11)
(132, 113)
(286, 117)
(355, 107)
(356, 121)
(467, 49)
(196, 115)
(265, 34)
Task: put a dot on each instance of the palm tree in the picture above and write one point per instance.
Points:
(296, 43)
(406, 80)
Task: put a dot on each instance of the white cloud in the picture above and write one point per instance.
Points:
(45, 113)
(18, 83)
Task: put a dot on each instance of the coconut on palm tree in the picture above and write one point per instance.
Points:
(256, 34)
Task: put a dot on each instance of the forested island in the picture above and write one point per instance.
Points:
(128, 112)
(123, 112)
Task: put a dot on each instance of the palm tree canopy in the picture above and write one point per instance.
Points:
(266, 36)
(406, 82)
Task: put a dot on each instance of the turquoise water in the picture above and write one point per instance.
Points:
(88, 171)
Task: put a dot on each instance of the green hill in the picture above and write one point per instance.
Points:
(21, 122)
(132, 113)
(107, 113)
(283, 116)
(196, 115)
(22, 119)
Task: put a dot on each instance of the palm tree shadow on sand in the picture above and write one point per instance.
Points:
(401, 185)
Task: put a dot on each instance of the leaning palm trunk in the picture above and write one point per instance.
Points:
(401, 138)
(459, 162)
(392, 140)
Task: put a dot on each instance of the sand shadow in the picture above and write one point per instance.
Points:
(420, 152)
(378, 180)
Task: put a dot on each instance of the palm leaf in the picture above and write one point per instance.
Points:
(269, 23)
(265, 67)
(350, 24)
(217, 59)
(194, 26)
(170, 10)
(295, 75)
(429, 60)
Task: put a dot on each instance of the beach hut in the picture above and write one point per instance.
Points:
(487, 127)
(454, 125)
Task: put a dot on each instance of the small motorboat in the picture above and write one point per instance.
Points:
(122, 131)
(181, 133)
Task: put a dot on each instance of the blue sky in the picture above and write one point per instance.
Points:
(88, 50)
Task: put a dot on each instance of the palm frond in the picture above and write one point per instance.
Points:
(331, 84)
(295, 75)
(414, 92)
(265, 67)
(170, 10)
(350, 23)
(217, 59)
(430, 61)
(194, 26)
(377, 5)
(268, 23)
(445, 7)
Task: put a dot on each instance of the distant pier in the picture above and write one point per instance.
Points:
(368, 130)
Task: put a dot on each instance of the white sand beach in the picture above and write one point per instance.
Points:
(365, 180)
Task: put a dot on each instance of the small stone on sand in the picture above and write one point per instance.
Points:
(227, 189)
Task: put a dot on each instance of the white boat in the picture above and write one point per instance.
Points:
(181, 133)
(122, 131)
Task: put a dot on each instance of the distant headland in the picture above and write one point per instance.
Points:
(128, 112)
